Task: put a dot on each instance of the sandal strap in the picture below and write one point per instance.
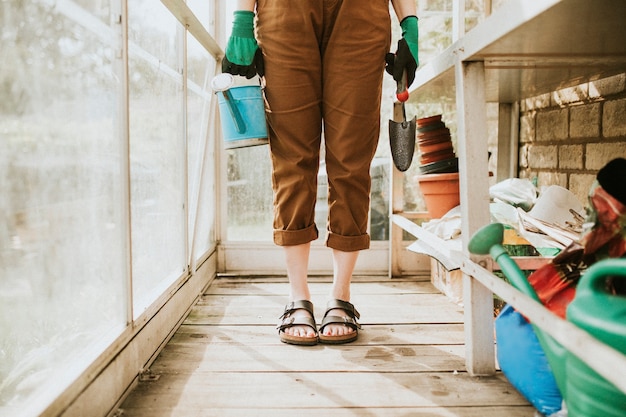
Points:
(286, 320)
(297, 305)
(343, 305)
(350, 320)
(296, 321)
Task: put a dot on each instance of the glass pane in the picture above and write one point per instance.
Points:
(435, 27)
(157, 151)
(202, 10)
(62, 235)
(249, 194)
(201, 143)
(474, 13)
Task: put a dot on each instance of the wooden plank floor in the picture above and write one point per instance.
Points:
(226, 359)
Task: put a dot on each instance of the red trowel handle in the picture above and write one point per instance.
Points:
(402, 94)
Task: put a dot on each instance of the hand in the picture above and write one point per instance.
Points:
(243, 56)
(406, 56)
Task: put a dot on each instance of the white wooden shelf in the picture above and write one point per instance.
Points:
(534, 47)
(524, 49)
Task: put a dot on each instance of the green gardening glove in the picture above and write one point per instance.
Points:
(243, 56)
(406, 56)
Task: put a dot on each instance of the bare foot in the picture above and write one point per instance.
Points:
(334, 329)
(339, 324)
(300, 330)
(297, 324)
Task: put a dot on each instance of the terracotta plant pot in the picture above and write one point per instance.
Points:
(441, 192)
(430, 127)
(437, 134)
(424, 121)
(428, 148)
(440, 167)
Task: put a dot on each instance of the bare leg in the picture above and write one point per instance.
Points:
(297, 260)
(343, 267)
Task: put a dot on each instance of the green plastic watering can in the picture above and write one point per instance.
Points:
(488, 241)
(602, 314)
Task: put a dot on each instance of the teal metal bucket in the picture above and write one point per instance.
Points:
(242, 115)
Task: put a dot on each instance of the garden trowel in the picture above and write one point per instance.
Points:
(402, 134)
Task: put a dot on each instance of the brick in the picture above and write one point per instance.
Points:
(536, 103)
(598, 154)
(571, 157)
(523, 157)
(527, 128)
(607, 86)
(543, 157)
(579, 185)
(585, 121)
(614, 114)
(523, 107)
(571, 95)
(552, 125)
(551, 178)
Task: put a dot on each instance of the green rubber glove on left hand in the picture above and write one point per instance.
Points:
(407, 54)
(243, 56)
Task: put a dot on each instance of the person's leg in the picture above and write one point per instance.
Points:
(352, 88)
(297, 260)
(293, 97)
(343, 266)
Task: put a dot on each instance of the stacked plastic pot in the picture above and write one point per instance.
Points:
(439, 166)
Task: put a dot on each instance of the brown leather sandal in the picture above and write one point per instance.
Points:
(349, 320)
(287, 321)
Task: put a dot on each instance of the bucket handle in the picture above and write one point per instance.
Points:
(593, 280)
(240, 126)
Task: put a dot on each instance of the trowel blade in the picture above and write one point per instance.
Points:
(402, 142)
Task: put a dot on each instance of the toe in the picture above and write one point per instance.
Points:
(337, 330)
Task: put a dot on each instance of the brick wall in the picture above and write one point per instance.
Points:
(568, 135)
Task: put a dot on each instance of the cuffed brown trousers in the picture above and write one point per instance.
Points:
(324, 63)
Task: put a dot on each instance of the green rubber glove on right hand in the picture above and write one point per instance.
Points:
(407, 54)
(410, 33)
(243, 56)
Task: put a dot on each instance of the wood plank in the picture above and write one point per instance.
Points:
(302, 390)
(320, 358)
(183, 13)
(431, 244)
(226, 360)
(183, 410)
(387, 335)
(508, 141)
(374, 309)
(253, 287)
(356, 279)
(474, 189)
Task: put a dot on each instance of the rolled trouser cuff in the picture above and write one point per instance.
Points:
(347, 243)
(295, 237)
